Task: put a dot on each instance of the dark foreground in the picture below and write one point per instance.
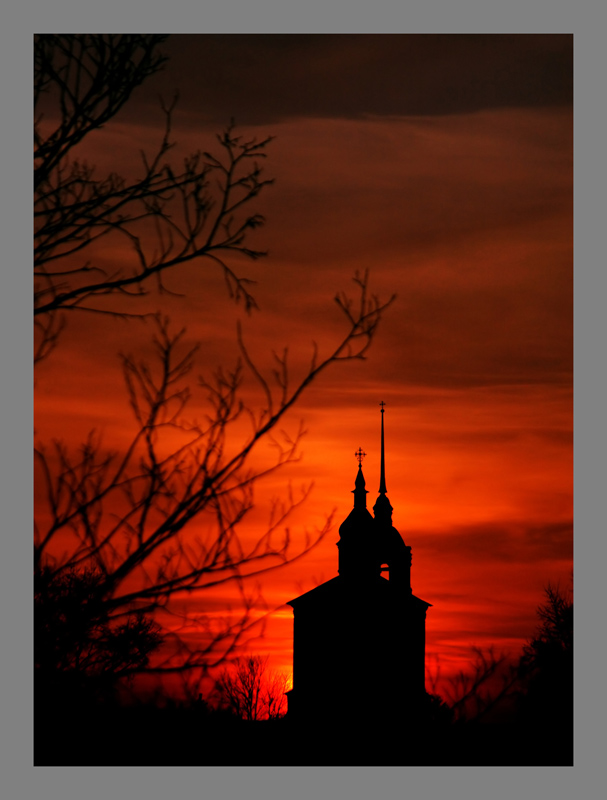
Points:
(178, 736)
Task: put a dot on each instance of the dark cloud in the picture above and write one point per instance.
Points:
(506, 542)
(260, 78)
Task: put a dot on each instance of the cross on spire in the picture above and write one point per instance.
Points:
(359, 455)
(382, 404)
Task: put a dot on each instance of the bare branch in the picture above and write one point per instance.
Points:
(166, 519)
(133, 518)
(81, 83)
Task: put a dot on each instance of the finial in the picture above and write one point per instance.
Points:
(359, 492)
(382, 477)
(359, 455)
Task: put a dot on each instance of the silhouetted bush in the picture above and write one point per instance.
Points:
(80, 653)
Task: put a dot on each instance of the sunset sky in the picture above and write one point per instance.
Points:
(444, 166)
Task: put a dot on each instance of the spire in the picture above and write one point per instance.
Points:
(382, 474)
(382, 508)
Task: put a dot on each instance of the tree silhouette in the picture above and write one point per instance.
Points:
(547, 664)
(528, 701)
(78, 651)
(553, 640)
(475, 691)
(197, 211)
(127, 517)
(250, 691)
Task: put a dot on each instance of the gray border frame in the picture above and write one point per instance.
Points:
(18, 779)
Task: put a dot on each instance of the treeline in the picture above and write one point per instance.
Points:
(496, 714)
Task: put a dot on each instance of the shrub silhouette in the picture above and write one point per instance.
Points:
(79, 653)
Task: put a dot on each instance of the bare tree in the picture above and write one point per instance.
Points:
(197, 211)
(250, 691)
(130, 516)
(472, 693)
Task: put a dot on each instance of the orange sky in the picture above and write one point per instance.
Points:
(464, 210)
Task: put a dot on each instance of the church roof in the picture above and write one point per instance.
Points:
(340, 589)
(318, 593)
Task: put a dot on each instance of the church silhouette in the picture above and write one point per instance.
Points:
(359, 638)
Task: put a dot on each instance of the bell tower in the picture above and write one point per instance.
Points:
(360, 631)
